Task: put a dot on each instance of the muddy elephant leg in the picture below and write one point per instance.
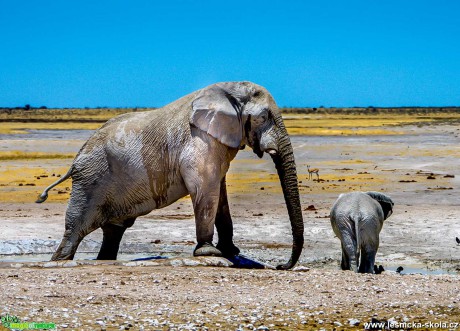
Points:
(75, 231)
(350, 255)
(112, 235)
(205, 199)
(82, 217)
(68, 246)
(345, 264)
(368, 252)
(224, 224)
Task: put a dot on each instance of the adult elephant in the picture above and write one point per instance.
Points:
(138, 162)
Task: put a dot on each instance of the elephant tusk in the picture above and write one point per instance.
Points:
(271, 152)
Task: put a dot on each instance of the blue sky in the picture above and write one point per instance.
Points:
(306, 53)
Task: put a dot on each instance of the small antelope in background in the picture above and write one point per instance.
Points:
(312, 171)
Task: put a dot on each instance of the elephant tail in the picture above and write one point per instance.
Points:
(42, 197)
(358, 239)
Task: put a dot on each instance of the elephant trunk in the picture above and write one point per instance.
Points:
(285, 165)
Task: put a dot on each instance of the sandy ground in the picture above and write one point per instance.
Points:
(418, 168)
(206, 298)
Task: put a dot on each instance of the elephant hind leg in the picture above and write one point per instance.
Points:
(345, 264)
(112, 235)
(68, 246)
(350, 255)
(224, 224)
(73, 235)
(82, 217)
(367, 262)
(350, 258)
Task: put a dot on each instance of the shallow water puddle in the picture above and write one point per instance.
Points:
(237, 261)
(79, 256)
(421, 270)
(126, 257)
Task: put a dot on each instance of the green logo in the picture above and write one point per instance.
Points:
(12, 322)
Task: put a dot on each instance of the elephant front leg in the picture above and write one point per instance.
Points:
(205, 202)
(224, 224)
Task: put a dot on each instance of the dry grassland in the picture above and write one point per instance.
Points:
(23, 175)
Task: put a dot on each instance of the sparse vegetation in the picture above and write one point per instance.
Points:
(19, 155)
(299, 121)
(330, 124)
(59, 115)
(371, 110)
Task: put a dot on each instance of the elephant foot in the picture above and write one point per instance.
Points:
(206, 249)
(228, 250)
(378, 270)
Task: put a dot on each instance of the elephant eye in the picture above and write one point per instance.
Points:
(261, 118)
(268, 115)
(264, 117)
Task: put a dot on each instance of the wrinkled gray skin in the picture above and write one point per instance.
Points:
(357, 219)
(139, 162)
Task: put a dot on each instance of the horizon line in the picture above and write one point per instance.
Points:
(280, 107)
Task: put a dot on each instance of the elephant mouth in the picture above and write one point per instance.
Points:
(256, 149)
(271, 151)
(260, 153)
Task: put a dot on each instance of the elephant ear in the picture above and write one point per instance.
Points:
(218, 113)
(385, 202)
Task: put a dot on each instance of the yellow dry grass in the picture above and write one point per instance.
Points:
(63, 114)
(249, 180)
(23, 181)
(24, 184)
(297, 124)
(23, 127)
(20, 155)
(253, 181)
(340, 124)
(311, 131)
(333, 182)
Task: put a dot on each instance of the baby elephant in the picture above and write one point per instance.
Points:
(357, 219)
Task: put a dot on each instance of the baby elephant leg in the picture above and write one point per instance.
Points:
(350, 255)
(368, 252)
(345, 264)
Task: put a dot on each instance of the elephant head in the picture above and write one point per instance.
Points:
(385, 202)
(243, 113)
